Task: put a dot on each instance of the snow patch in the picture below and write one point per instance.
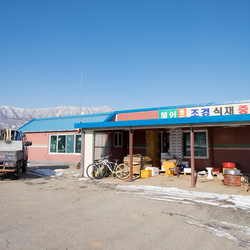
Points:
(49, 172)
(193, 197)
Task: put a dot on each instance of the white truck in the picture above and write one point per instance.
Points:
(13, 152)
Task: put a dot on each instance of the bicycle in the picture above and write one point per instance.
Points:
(90, 168)
(101, 167)
(97, 162)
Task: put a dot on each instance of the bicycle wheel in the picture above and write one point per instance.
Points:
(99, 171)
(122, 171)
(89, 170)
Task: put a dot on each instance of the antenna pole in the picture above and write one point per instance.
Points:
(82, 137)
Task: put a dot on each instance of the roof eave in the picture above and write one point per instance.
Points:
(188, 121)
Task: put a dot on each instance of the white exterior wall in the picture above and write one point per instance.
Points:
(88, 149)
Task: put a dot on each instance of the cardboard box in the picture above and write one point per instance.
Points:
(216, 170)
(187, 170)
(155, 171)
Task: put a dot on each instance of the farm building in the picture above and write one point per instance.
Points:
(204, 135)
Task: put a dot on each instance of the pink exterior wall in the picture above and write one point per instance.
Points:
(225, 144)
(39, 151)
(138, 116)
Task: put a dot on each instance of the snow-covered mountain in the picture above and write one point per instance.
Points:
(14, 118)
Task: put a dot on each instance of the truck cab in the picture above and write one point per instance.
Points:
(13, 151)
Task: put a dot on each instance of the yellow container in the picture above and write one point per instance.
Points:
(146, 173)
(169, 172)
(168, 164)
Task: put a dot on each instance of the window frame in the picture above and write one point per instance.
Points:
(68, 142)
(65, 144)
(66, 137)
(207, 145)
(80, 151)
(118, 135)
(53, 143)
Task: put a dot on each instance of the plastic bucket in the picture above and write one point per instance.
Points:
(228, 165)
(232, 180)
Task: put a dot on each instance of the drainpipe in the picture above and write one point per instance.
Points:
(131, 133)
(192, 157)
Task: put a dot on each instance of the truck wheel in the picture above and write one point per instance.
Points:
(24, 167)
(17, 173)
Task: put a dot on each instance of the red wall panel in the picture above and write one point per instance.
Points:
(138, 116)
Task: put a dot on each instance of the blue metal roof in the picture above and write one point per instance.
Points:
(63, 123)
(165, 122)
(189, 120)
(103, 120)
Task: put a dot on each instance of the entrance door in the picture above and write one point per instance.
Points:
(101, 145)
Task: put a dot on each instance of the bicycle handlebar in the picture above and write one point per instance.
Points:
(103, 158)
(106, 157)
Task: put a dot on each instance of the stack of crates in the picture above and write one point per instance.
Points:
(176, 142)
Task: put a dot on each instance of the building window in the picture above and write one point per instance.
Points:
(65, 144)
(61, 143)
(118, 139)
(70, 144)
(78, 143)
(53, 143)
(200, 144)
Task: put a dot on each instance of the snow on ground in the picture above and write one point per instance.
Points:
(225, 230)
(188, 197)
(50, 172)
(168, 194)
(221, 229)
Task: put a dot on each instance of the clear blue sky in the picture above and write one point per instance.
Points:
(133, 53)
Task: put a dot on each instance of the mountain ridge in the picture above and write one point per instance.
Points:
(14, 118)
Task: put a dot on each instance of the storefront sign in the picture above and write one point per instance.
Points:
(230, 109)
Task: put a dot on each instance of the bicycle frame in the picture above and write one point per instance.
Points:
(110, 165)
(103, 165)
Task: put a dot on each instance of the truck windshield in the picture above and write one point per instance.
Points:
(15, 135)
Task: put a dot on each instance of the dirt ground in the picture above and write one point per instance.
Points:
(215, 185)
(202, 183)
(67, 212)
